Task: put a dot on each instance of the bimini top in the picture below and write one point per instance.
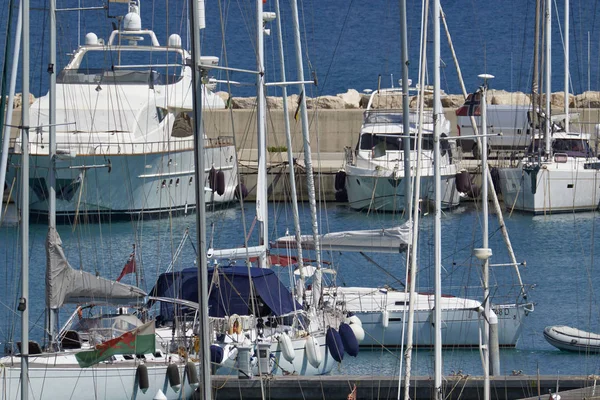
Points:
(229, 291)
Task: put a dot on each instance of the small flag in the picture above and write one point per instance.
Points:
(297, 113)
(129, 267)
(471, 106)
(140, 340)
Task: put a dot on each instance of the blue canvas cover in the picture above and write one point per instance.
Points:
(230, 292)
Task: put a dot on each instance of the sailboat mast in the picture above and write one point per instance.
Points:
(205, 384)
(548, 75)
(536, 72)
(288, 139)
(261, 195)
(52, 314)
(438, 203)
(405, 112)
(23, 306)
(567, 66)
(310, 180)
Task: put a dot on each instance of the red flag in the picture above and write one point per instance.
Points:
(471, 106)
(129, 267)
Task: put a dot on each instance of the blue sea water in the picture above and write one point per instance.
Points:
(347, 44)
(561, 272)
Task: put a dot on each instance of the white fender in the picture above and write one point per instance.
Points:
(353, 320)
(287, 348)
(385, 318)
(229, 352)
(312, 351)
(359, 332)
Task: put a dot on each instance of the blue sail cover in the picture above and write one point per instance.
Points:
(230, 291)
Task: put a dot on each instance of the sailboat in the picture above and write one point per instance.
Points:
(123, 131)
(560, 172)
(108, 355)
(373, 172)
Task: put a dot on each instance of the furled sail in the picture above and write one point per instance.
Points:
(390, 240)
(67, 285)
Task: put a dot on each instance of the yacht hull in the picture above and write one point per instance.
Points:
(146, 183)
(554, 188)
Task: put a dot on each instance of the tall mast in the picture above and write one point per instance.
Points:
(405, 112)
(316, 290)
(261, 195)
(548, 72)
(205, 383)
(438, 202)
(288, 138)
(23, 306)
(567, 66)
(536, 72)
(52, 314)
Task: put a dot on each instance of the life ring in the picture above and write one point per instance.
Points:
(235, 324)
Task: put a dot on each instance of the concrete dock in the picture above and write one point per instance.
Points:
(386, 387)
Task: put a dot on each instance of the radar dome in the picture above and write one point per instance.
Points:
(91, 39)
(132, 22)
(175, 40)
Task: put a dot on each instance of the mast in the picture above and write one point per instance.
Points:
(261, 189)
(567, 66)
(412, 262)
(288, 138)
(310, 180)
(438, 202)
(23, 306)
(52, 314)
(205, 383)
(548, 72)
(405, 111)
(536, 72)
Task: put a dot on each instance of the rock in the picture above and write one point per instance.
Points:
(502, 97)
(588, 100)
(351, 98)
(18, 100)
(326, 103)
(364, 100)
(243, 102)
(223, 95)
(452, 101)
(387, 102)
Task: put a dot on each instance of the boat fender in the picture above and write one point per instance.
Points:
(142, 377)
(495, 173)
(349, 339)
(287, 348)
(359, 332)
(340, 181)
(217, 355)
(220, 183)
(235, 324)
(353, 319)
(333, 340)
(241, 191)
(463, 181)
(191, 374)
(212, 179)
(313, 353)
(385, 318)
(174, 378)
(232, 354)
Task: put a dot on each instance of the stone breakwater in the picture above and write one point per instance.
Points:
(353, 99)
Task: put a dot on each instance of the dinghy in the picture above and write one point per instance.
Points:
(572, 339)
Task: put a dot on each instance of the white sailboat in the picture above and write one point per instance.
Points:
(560, 173)
(375, 169)
(104, 356)
(123, 134)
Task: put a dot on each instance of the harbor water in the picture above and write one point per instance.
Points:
(560, 271)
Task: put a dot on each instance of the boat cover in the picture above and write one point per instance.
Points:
(229, 292)
(67, 285)
(390, 240)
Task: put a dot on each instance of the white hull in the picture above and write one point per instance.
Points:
(280, 366)
(384, 193)
(555, 188)
(137, 183)
(572, 339)
(461, 318)
(102, 381)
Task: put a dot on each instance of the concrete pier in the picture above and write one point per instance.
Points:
(386, 387)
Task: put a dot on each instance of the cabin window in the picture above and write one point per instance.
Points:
(392, 142)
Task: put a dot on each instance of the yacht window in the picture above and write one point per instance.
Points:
(109, 66)
(392, 143)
